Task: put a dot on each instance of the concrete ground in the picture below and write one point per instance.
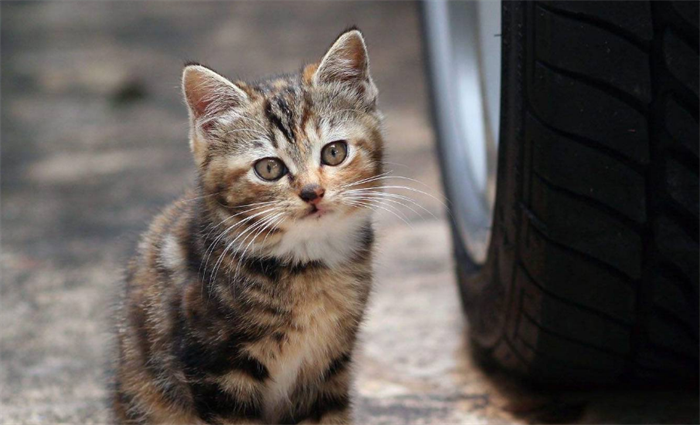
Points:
(94, 144)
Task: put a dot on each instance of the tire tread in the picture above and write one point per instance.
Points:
(625, 213)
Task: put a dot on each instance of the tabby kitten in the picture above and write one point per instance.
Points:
(243, 302)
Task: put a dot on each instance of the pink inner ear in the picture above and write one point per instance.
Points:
(200, 104)
(355, 52)
(198, 95)
(206, 126)
(207, 92)
(193, 101)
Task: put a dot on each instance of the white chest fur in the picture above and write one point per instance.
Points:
(327, 239)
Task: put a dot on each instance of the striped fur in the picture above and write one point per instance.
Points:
(243, 301)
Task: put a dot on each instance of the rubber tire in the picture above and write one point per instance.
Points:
(592, 271)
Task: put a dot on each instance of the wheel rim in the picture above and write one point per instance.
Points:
(467, 86)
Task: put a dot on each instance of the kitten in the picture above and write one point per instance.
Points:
(243, 302)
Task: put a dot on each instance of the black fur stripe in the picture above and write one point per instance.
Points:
(212, 402)
(337, 366)
(367, 236)
(277, 122)
(270, 267)
(252, 367)
(305, 267)
(195, 239)
(273, 268)
(201, 360)
(327, 403)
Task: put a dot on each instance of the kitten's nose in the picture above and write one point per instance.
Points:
(312, 193)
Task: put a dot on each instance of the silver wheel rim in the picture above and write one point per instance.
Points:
(467, 89)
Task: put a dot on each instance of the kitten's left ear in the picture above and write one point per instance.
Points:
(208, 93)
(346, 63)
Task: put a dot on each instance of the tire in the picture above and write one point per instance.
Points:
(591, 276)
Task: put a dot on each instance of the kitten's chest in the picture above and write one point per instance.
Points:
(317, 332)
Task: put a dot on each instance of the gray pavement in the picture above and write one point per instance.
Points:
(94, 144)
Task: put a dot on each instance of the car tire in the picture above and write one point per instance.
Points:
(591, 276)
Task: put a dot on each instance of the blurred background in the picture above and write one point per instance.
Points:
(94, 144)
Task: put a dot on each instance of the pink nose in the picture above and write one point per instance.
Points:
(312, 193)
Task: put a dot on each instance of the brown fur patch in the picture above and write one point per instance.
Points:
(309, 72)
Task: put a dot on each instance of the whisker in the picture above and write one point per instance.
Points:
(274, 226)
(386, 176)
(268, 221)
(375, 204)
(366, 180)
(265, 222)
(261, 227)
(375, 207)
(247, 231)
(395, 164)
(212, 228)
(230, 244)
(392, 201)
(412, 180)
(257, 204)
(224, 233)
(369, 192)
(412, 189)
(387, 198)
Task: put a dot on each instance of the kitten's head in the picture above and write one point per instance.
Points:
(288, 151)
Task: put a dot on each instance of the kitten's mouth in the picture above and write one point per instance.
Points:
(316, 212)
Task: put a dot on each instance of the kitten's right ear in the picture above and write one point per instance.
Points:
(346, 65)
(208, 93)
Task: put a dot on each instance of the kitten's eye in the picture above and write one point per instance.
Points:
(334, 153)
(270, 168)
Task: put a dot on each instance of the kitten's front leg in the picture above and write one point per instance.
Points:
(332, 404)
(342, 417)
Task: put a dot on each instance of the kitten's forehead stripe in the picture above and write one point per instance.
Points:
(274, 120)
(286, 116)
(288, 106)
(280, 116)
